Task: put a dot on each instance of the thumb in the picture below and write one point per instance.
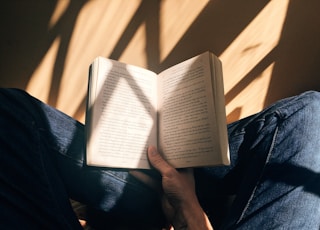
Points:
(157, 161)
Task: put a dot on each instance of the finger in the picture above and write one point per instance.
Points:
(157, 161)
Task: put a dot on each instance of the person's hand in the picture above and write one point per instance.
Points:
(180, 203)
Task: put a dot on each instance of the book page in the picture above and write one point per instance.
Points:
(123, 115)
(186, 125)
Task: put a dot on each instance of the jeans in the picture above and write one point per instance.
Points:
(273, 181)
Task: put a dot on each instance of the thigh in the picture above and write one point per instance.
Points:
(283, 192)
(43, 152)
(31, 192)
(274, 169)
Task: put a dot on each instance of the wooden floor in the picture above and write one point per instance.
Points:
(269, 49)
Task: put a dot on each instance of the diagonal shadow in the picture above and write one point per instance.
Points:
(226, 22)
(297, 61)
(112, 81)
(216, 27)
(27, 39)
(252, 75)
(148, 13)
(24, 40)
(62, 29)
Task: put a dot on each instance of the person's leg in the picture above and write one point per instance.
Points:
(113, 196)
(44, 149)
(32, 195)
(61, 140)
(275, 169)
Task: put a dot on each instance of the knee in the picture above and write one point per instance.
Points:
(311, 100)
(304, 125)
(308, 119)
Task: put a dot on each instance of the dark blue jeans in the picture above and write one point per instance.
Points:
(274, 176)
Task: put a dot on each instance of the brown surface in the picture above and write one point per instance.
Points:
(269, 49)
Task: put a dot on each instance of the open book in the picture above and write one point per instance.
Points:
(181, 111)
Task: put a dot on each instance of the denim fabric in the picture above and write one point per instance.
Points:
(42, 164)
(32, 194)
(273, 177)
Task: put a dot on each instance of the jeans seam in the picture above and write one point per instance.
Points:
(258, 181)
